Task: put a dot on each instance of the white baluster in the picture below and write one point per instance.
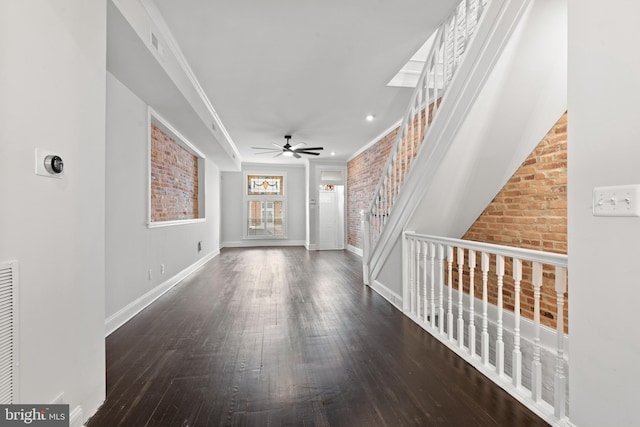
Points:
(384, 207)
(365, 219)
(403, 155)
(450, 290)
(454, 42)
(472, 320)
(413, 132)
(536, 366)
(441, 287)
(376, 217)
(460, 305)
(499, 341)
(467, 22)
(484, 338)
(517, 354)
(432, 283)
(424, 272)
(412, 280)
(419, 118)
(417, 276)
(560, 379)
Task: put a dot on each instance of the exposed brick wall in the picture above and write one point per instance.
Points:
(363, 174)
(530, 212)
(364, 171)
(174, 179)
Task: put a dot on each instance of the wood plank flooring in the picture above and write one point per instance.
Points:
(282, 336)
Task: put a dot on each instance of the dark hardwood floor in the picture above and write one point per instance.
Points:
(282, 336)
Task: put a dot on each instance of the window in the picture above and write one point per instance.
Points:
(176, 176)
(265, 206)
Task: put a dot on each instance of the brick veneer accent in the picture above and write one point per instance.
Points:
(174, 179)
(364, 171)
(363, 174)
(530, 212)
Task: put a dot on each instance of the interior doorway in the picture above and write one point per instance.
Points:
(331, 217)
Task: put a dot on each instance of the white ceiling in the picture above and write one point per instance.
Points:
(313, 69)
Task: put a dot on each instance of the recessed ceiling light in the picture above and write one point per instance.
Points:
(333, 153)
(370, 117)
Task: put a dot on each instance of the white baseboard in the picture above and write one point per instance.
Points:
(75, 417)
(387, 294)
(249, 243)
(310, 246)
(123, 315)
(353, 249)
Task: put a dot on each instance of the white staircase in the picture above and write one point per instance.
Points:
(493, 84)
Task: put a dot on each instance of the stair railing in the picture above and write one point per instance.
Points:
(448, 48)
(486, 303)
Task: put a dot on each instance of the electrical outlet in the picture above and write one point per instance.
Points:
(149, 274)
(200, 246)
(619, 200)
(161, 268)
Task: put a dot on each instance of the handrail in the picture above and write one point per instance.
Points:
(449, 46)
(551, 258)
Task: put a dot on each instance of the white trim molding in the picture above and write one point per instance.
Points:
(376, 140)
(250, 243)
(386, 293)
(354, 250)
(122, 316)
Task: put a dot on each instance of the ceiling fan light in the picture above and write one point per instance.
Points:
(288, 153)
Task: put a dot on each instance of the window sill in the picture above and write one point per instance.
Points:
(158, 224)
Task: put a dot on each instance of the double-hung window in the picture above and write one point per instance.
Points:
(265, 204)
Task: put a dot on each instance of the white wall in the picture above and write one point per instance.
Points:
(604, 149)
(232, 202)
(52, 82)
(132, 249)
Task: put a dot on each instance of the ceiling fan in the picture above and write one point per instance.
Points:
(289, 150)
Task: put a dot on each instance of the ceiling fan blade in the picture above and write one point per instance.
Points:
(267, 152)
(276, 145)
(265, 148)
(310, 148)
(298, 145)
(306, 152)
(296, 155)
(278, 155)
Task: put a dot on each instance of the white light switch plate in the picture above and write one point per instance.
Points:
(618, 200)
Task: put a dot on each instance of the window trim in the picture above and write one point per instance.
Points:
(153, 118)
(246, 198)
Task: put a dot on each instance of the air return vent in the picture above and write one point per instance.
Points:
(8, 332)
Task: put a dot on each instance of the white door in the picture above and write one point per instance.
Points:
(331, 218)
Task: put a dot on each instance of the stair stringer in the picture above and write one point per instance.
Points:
(484, 131)
(492, 35)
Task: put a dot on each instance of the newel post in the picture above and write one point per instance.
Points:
(365, 218)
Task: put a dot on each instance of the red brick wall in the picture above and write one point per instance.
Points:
(531, 212)
(364, 171)
(174, 179)
(363, 174)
